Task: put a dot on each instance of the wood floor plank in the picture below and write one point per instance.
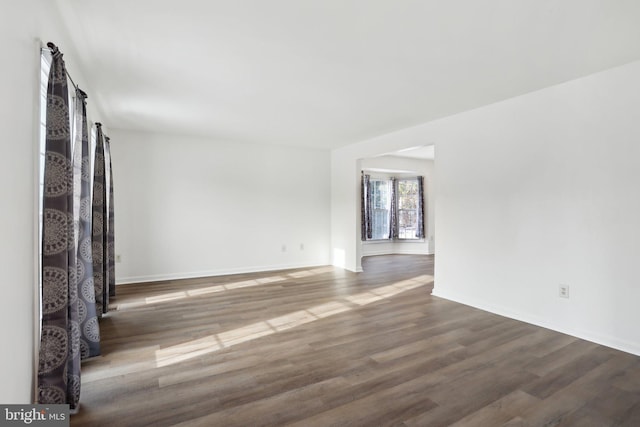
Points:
(322, 346)
(500, 411)
(631, 381)
(515, 422)
(611, 406)
(555, 380)
(563, 403)
(385, 407)
(631, 417)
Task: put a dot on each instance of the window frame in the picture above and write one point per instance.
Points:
(415, 210)
(375, 210)
(389, 181)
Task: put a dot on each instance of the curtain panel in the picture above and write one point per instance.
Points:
(365, 211)
(99, 227)
(89, 328)
(420, 209)
(110, 252)
(393, 210)
(59, 355)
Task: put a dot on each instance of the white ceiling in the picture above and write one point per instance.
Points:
(426, 152)
(326, 73)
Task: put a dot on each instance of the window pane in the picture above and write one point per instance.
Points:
(407, 208)
(380, 198)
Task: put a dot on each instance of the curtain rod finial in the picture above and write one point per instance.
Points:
(99, 124)
(55, 51)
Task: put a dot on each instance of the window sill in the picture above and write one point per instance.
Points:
(375, 242)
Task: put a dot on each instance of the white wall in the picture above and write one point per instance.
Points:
(188, 207)
(543, 190)
(533, 192)
(23, 26)
(415, 167)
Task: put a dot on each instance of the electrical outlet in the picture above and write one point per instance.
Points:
(563, 291)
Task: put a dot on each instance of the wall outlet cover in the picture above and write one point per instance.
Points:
(563, 291)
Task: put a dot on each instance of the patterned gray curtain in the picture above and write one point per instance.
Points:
(393, 210)
(365, 207)
(420, 209)
(99, 227)
(59, 355)
(110, 253)
(89, 328)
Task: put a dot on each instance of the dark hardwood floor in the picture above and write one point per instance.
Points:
(326, 347)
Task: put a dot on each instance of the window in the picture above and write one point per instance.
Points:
(407, 208)
(380, 208)
(393, 208)
(45, 65)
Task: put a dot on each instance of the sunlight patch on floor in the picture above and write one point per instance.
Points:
(310, 272)
(383, 292)
(173, 296)
(186, 351)
(211, 343)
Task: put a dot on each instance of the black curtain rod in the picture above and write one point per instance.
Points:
(54, 49)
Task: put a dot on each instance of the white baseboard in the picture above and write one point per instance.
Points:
(608, 341)
(209, 273)
(396, 252)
